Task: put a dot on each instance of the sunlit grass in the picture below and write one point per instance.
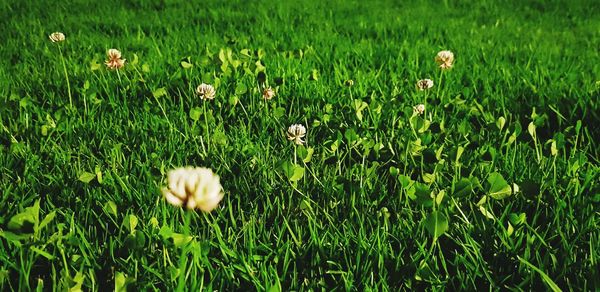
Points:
(487, 180)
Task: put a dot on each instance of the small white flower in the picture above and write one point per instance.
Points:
(424, 84)
(419, 109)
(268, 93)
(445, 59)
(56, 37)
(205, 91)
(296, 132)
(114, 59)
(193, 188)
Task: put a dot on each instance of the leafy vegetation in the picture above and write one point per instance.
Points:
(494, 186)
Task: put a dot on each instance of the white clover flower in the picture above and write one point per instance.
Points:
(114, 59)
(193, 188)
(296, 132)
(56, 37)
(445, 59)
(424, 84)
(205, 91)
(419, 109)
(268, 93)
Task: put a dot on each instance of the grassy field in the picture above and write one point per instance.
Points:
(495, 186)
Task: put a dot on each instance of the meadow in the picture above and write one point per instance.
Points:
(487, 180)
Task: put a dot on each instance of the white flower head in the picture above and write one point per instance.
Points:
(193, 188)
(268, 93)
(295, 133)
(205, 91)
(445, 59)
(57, 37)
(114, 59)
(419, 109)
(424, 84)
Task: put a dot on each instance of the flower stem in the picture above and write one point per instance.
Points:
(439, 84)
(206, 124)
(62, 57)
(295, 156)
(426, 95)
(184, 250)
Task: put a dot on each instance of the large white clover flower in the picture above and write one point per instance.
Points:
(193, 188)
(445, 59)
(419, 109)
(424, 84)
(205, 91)
(268, 93)
(114, 59)
(56, 37)
(296, 132)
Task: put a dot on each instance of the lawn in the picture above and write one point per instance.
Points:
(488, 180)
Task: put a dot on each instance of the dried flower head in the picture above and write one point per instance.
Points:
(205, 91)
(445, 59)
(424, 84)
(56, 37)
(193, 188)
(419, 109)
(268, 93)
(296, 132)
(114, 59)
(349, 83)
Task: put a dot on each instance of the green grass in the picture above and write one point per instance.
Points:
(387, 201)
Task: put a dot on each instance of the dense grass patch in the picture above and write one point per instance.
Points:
(495, 185)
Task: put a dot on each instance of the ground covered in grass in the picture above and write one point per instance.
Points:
(495, 185)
